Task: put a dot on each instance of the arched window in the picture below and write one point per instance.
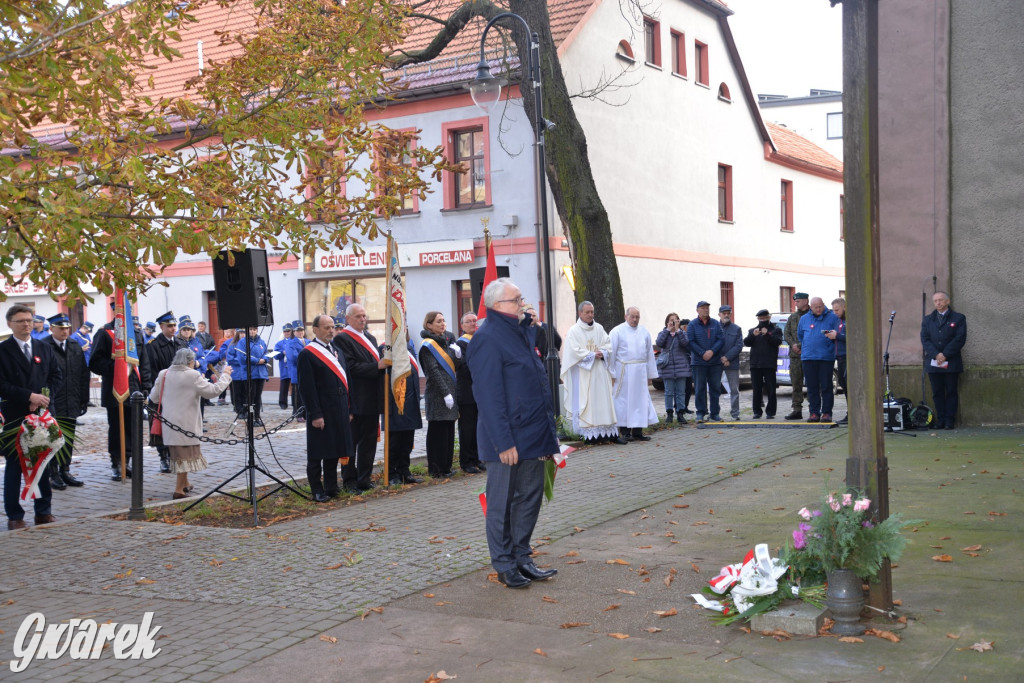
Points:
(625, 51)
(723, 93)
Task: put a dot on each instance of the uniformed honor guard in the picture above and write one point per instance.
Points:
(71, 400)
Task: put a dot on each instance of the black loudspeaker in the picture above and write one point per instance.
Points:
(476, 283)
(243, 289)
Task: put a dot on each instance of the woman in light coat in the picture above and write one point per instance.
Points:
(178, 390)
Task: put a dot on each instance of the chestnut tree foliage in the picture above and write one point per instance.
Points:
(103, 178)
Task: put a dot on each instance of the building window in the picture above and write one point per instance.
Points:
(467, 144)
(834, 125)
(724, 192)
(394, 151)
(723, 93)
(726, 295)
(678, 53)
(332, 296)
(652, 41)
(842, 218)
(700, 62)
(625, 51)
(786, 206)
(786, 299)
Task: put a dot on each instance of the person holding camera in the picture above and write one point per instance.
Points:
(817, 332)
(764, 342)
(674, 366)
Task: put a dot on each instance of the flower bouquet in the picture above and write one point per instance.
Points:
(38, 441)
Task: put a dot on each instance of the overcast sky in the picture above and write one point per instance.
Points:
(789, 46)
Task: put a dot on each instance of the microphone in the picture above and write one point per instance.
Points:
(892, 316)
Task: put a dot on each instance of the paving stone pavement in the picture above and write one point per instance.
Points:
(228, 597)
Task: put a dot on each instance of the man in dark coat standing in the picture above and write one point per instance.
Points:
(515, 432)
(71, 401)
(101, 362)
(402, 424)
(706, 343)
(943, 335)
(764, 342)
(159, 354)
(324, 384)
(469, 457)
(366, 399)
(27, 366)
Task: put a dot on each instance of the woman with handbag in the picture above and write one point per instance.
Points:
(177, 392)
(673, 366)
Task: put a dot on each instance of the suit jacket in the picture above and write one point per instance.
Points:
(324, 395)
(511, 389)
(946, 335)
(72, 399)
(19, 378)
(101, 362)
(365, 379)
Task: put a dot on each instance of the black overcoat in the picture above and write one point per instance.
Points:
(72, 399)
(365, 379)
(324, 395)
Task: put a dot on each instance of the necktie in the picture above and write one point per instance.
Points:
(28, 351)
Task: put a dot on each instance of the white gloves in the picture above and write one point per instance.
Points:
(449, 401)
(457, 351)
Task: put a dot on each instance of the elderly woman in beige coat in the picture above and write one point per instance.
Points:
(178, 390)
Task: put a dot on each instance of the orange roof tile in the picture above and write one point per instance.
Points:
(795, 146)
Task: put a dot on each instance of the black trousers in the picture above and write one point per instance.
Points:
(240, 394)
(114, 434)
(946, 396)
(328, 470)
(399, 448)
(282, 394)
(364, 438)
(62, 461)
(440, 446)
(688, 393)
(841, 367)
(763, 381)
(469, 456)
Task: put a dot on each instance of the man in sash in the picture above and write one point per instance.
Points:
(588, 380)
(27, 365)
(516, 431)
(323, 382)
(632, 365)
(366, 399)
(101, 362)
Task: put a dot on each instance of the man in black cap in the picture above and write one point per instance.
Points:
(706, 343)
(764, 342)
(160, 354)
(731, 357)
(71, 400)
(796, 368)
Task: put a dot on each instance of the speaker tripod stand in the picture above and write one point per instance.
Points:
(888, 400)
(250, 468)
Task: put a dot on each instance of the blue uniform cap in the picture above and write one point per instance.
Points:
(339, 322)
(167, 317)
(38, 318)
(60, 320)
(296, 324)
(88, 325)
(287, 327)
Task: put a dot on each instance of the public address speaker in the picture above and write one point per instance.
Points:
(243, 289)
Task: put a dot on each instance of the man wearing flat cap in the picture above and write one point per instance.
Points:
(706, 343)
(796, 368)
(764, 342)
(733, 336)
(70, 400)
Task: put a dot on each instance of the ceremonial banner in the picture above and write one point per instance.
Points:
(395, 349)
(125, 352)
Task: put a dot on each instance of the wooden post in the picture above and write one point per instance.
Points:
(866, 466)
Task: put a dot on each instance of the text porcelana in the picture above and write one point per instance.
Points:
(82, 639)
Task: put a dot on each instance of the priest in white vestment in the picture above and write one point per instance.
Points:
(632, 365)
(588, 381)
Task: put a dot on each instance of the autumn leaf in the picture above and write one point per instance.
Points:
(883, 634)
(953, 636)
(428, 595)
(942, 558)
(540, 652)
(666, 613)
(777, 633)
(547, 598)
(328, 639)
(574, 624)
(982, 646)
(336, 566)
(616, 561)
(571, 553)
(627, 592)
(609, 608)
(620, 636)
(440, 676)
(971, 547)
(698, 524)
(996, 514)
(670, 578)
(695, 568)
(144, 582)
(850, 639)
(644, 547)
(945, 538)
(681, 507)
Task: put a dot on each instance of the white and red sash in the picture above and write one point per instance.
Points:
(329, 360)
(363, 341)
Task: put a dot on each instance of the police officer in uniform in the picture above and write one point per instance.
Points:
(71, 400)
(159, 354)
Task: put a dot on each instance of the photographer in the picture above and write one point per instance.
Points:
(817, 333)
(764, 341)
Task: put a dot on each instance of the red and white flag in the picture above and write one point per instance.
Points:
(395, 349)
(490, 275)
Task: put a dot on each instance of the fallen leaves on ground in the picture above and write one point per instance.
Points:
(617, 561)
(335, 566)
(540, 652)
(548, 598)
(942, 558)
(609, 608)
(571, 553)
(574, 624)
(953, 636)
(493, 577)
(626, 591)
(695, 568)
(623, 636)
(670, 578)
(653, 629)
(428, 595)
(328, 639)
(851, 639)
(680, 507)
(777, 634)
(971, 547)
(439, 676)
(144, 582)
(982, 646)
(666, 612)
(883, 634)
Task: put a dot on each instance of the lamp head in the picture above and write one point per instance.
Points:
(485, 89)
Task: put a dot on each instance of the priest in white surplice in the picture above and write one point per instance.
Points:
(588, 381)
(632, 365)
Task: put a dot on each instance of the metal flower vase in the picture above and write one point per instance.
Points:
(845, 599)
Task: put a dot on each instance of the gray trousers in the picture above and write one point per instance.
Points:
(514, 495)
(731, 375)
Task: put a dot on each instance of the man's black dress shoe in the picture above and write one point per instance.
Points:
(364, 486)
(70, 480)
(321, 497)
(354, 490)
(641, 437)
(513, 579)
(949, 425)
(395, 481)
(410, 479)
(56, 483)
(535, 573)
(115, 473)
(619, 440)
(448, 474)
(795, 415)
(481, 465)
(471, 470)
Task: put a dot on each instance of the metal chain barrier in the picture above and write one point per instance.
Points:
(227, 442)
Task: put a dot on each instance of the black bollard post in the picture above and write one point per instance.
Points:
(137, 511)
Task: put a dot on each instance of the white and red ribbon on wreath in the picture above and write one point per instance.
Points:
(36, 442)
(758, 574)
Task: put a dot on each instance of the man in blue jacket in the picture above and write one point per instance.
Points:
(733, 344)
(817, 333)
(943, 335)
(706, 344)
(515, 431)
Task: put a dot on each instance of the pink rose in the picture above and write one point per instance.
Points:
(799, 541)
(834, 505)
(847, 499)
(805, 513)
(861, 505)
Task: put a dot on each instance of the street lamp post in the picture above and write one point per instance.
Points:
(485, 90)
